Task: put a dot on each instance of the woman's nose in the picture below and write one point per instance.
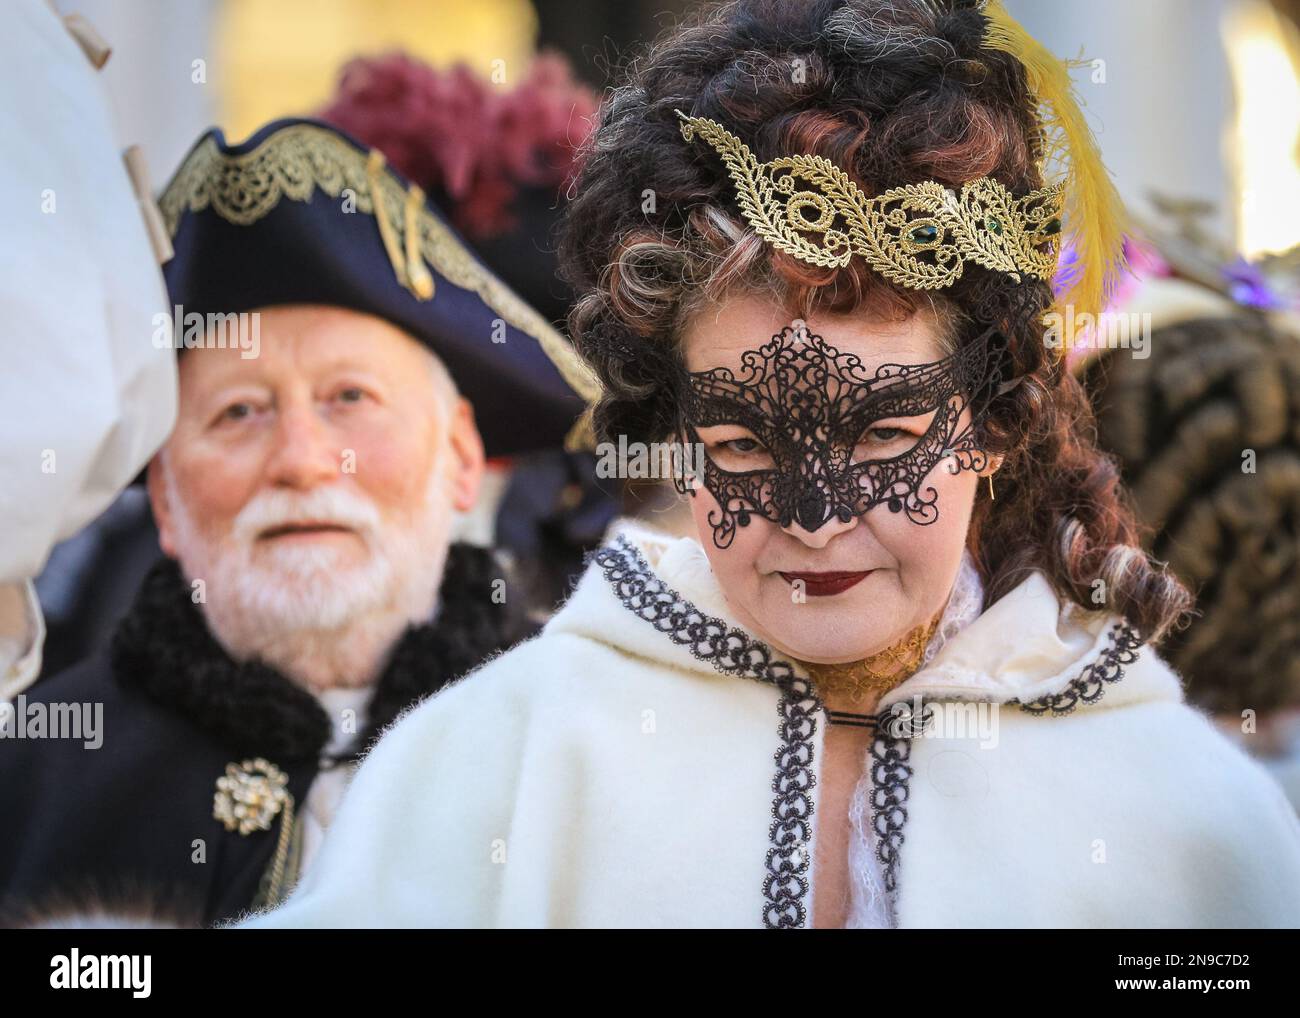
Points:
(822, 535)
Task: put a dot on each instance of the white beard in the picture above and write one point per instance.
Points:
(304, 609)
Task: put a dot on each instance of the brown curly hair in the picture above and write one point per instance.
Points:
(893, 92)
(1224, 386)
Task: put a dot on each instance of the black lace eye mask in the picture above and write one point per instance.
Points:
(809, 407)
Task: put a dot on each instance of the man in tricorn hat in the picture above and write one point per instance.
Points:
(345, 365)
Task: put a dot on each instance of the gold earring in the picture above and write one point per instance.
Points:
(992, 497)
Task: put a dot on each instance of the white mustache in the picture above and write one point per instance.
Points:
(336, 506)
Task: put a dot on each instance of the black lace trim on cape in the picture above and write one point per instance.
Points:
(164, 650)
(891, 777)
(733, 651)
(1090, 684)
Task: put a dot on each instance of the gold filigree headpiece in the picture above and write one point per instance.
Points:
(920, 236)
(1083, 213)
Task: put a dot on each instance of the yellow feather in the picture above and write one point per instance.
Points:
(1094, 221)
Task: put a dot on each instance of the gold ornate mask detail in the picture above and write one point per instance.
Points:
(919, 236)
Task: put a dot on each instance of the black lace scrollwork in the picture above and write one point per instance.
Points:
(890, 784)
(1090, 685)
(735, 652)
(809, 407)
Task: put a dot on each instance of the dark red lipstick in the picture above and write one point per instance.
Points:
(826, 584)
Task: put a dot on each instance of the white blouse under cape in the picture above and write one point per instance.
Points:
(868, 901)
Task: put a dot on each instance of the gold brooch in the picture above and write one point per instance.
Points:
(919, 236)
(250, 795)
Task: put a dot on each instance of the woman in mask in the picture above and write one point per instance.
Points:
(905, 672)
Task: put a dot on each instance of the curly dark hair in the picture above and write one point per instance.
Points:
(1224, 386)
(893, 92)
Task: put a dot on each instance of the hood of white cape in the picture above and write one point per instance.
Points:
(656, 597)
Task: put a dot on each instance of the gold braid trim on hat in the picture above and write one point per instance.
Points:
(298, 160)
(919, 236)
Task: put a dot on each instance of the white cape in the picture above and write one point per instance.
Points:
(624, 769)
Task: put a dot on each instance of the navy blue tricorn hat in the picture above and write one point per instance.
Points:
(300, 213)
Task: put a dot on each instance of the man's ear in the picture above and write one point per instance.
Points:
(159, 502)
(469, 459)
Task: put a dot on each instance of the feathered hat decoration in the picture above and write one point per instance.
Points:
(1094, 220)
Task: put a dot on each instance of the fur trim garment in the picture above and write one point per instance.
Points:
(164, 649)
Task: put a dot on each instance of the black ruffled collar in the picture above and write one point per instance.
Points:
(163, 649)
